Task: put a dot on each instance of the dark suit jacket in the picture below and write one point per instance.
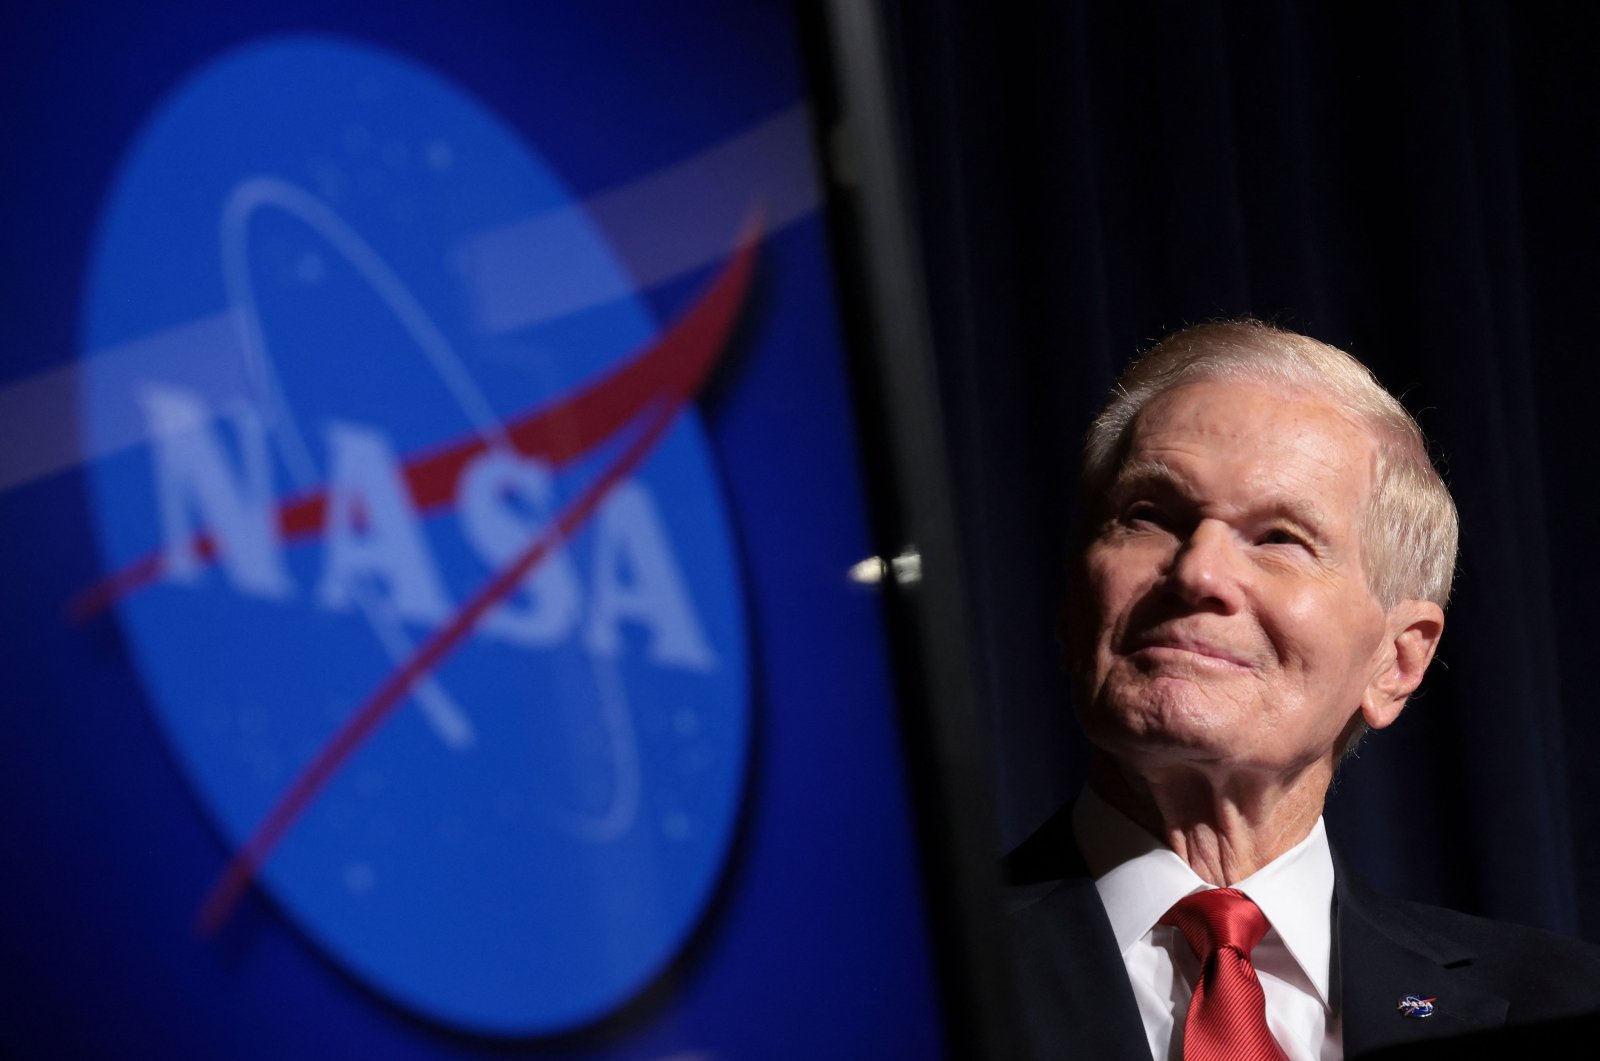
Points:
(1497, 985)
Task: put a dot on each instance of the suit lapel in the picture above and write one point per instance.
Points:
(1384, 956)
(1077, 999)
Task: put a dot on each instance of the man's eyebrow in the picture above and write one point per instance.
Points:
(1138, 475)
(1303, 512)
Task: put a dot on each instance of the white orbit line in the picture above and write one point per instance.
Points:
(255, 192)
(447, 718)
(618, 720)
(449, 721)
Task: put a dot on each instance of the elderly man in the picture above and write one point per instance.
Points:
(1263, 572)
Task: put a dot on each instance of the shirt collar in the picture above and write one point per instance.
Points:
(1139, 878)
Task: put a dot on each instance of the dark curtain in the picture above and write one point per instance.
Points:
(1416, 183)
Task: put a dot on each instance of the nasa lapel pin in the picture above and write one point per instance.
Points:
(1412, 1006)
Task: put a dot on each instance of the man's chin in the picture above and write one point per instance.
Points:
(1179, 723)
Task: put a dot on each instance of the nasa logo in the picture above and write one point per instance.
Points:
(423, 562)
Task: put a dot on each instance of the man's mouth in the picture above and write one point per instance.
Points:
(1187, 647)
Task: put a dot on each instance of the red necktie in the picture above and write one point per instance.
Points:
(1228, 1013)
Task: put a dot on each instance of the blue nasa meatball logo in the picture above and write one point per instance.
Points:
(420, 551)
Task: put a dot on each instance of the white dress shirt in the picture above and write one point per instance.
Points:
(1139, 879)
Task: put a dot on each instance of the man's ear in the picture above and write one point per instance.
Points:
(1411, 635)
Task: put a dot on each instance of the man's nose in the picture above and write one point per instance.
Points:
(1206, 569)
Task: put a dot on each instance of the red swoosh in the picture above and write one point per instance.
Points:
(657, 383)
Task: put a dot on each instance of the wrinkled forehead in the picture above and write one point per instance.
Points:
(1299, 445)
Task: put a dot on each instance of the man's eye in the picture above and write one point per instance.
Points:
(1144, 512)
(1280, 536)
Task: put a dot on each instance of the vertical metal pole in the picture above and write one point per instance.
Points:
(950, 766)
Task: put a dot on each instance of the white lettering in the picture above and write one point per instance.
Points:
(504, 502)
(636, 578)
(377, 553)
(194, 479)
(374, 539)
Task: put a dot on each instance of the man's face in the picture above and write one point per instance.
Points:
(1225, 616)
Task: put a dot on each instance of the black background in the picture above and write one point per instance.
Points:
(1415, 183)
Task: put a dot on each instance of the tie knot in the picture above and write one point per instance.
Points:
(1217, 918)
